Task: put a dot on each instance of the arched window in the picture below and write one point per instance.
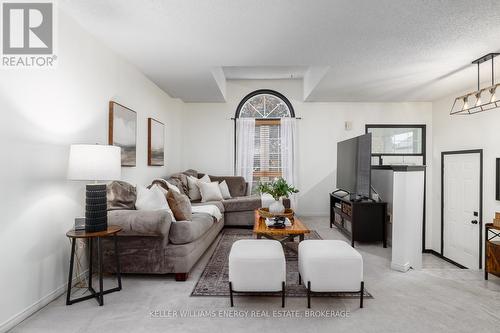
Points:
(264, 104)
(267, 107)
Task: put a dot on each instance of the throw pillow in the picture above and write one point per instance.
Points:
(210, 192)
(152, 199)
(224, 190)
(193, 186)
(180, 182)
(121, 195)
(180, 205)
(160, 182)
(173, 187)
(165, 193)
(166, 185)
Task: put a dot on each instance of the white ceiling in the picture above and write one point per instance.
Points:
(354, 50)
(264, 72)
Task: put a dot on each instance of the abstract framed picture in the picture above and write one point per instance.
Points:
(156, 142)
(123, 132)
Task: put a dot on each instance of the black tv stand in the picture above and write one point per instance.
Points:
(341, 196)
(363, 199)
(360, 220)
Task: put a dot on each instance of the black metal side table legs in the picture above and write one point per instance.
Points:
(70, 277)
(99, 264)
(99, 296)
(118, 269)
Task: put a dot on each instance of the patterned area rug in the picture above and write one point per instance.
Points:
(214, 279)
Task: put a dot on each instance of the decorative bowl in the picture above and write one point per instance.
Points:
(264, 212)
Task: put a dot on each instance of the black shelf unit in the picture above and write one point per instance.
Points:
(360, 221)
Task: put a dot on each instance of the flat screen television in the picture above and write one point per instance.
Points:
(354, 165)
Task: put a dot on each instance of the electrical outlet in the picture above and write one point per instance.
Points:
(348, 125)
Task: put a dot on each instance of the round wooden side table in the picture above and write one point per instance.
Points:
(73, 235)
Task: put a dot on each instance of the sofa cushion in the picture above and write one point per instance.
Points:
(182, 232)
(215, 203)
(141, 222)
(121, 195)
(240, 204)
(180, 252)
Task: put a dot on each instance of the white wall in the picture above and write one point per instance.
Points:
(479, 131)
(209, 134)
(42, 113)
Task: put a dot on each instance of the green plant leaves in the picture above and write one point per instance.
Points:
(278, 188)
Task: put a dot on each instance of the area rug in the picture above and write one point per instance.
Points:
(214, 279)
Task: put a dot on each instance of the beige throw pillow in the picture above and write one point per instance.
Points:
(180, 205)
(210, 192)
(193, 186)
(224, 190)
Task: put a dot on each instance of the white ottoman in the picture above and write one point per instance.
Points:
(330, 266)
(257, 265)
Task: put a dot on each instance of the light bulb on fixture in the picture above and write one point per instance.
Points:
(478, 98)
(493, 96)
(466, 103)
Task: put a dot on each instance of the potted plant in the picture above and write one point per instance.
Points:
(278, 189)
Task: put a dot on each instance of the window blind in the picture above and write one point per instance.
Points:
(267, 158)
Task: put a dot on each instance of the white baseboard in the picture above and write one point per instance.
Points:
(30, 310)
(400, 267)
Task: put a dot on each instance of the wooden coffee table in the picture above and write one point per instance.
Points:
(285, 235)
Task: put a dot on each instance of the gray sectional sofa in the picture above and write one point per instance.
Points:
(152, 243)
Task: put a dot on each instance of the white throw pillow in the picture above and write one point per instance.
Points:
(210, 192)
(224, 190)
(194, 189)
(152, 199)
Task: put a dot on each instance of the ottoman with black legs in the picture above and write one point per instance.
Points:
(257, 266)
(330, 266)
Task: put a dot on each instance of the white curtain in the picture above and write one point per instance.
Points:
(288, 131)
(245, 145)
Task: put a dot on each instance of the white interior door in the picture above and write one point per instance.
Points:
(461, 227)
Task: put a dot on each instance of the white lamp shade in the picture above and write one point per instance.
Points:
(94, 162)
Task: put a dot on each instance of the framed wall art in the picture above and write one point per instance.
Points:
(123, 132)
(156, 143)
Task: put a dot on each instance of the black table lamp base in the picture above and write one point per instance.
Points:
(96, 208)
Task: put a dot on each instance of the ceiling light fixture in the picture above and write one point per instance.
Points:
(481, 99)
